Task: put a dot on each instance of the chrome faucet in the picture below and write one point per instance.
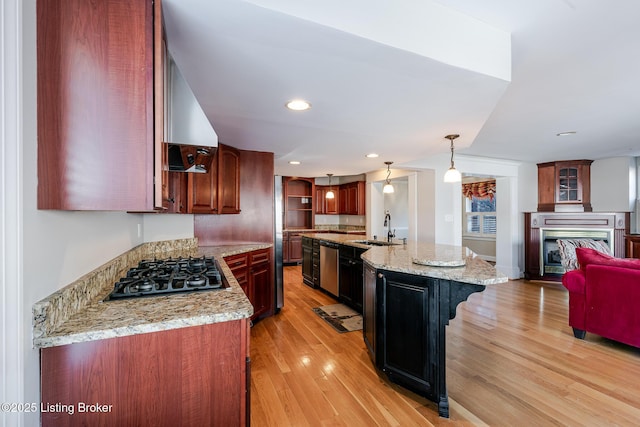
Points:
(387, 223)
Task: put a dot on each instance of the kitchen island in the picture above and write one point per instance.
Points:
(410, 292)
(178, 359)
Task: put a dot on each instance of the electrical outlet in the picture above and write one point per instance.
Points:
(139, 230)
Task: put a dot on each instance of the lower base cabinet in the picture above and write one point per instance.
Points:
(404, 321)
(252, 270)
(307, 261)
(194, 376)
(350, 276)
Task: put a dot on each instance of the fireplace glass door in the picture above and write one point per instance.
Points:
(550, 261)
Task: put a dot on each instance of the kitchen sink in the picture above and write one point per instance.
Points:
(374, 242)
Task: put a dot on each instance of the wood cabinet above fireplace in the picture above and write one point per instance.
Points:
(564, 186)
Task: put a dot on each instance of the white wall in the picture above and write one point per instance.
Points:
(419, 210)
(397, 203)
(613, 184)
(48, 249)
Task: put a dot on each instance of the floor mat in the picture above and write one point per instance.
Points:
(341, 317)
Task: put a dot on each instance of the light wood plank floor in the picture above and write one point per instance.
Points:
(512, 360)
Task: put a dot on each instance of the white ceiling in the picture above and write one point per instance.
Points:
(575, 66)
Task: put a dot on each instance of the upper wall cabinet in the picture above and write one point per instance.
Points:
(218, 190)
(100, 105)
(349, 199)
(564, 186)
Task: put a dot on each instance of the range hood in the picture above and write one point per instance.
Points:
(192, 142)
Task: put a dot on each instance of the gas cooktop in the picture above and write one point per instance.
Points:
(160, 277)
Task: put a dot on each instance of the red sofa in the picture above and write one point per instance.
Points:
(604, 296)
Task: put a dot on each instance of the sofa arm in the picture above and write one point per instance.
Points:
(574, 281)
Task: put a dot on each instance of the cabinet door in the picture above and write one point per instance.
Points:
(295, 248)
(357, 281)
(343, 198)
(307, 261)
(285, 247)
(369, 318)
(331, 205)
(228, 180)
(408, 319)
(352, 199)
(177, 192)
(95, 109)
(260, 278)
(261, 282)
(324, 205)
(202, 192)
(345, 274)
(320, 193)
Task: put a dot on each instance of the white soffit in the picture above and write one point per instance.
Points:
(416, 26)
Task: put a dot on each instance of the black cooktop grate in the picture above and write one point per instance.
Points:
(160, 277)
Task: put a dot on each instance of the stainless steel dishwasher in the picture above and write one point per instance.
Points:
(329, 267)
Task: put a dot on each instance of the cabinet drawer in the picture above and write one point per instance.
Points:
(258, 257)
(237, 262)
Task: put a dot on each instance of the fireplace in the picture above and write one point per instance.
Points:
(543, 229)
(550, 262)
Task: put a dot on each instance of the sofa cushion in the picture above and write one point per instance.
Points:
(567, 248)
(586, 256)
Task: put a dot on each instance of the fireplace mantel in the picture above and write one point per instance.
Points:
(574, 224)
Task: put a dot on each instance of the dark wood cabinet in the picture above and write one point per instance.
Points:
(315, 261)
(192, 376)
(177, 192)
(261, 283)
(100, 139)
(369, 309)
(325, 206)
(404, 328)
(294, 248)
(564, 185)
(632, 245)
(228, 168)
(299, 207)
(350, 276)
(218, 190)
(307, 261)
(352, 198)
(252, 270)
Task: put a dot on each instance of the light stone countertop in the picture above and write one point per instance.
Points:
(400, 258)
(63, 318)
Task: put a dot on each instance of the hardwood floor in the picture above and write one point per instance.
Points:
(511, 360)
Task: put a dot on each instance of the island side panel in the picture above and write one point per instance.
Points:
(189, 376)
(405, 316)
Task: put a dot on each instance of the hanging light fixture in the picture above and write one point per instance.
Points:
(388, 188)
(330, 194)
(452, 175)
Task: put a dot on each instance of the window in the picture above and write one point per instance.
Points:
(480, 212)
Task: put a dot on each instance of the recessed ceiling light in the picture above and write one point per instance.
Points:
(298, 105)
(569, 133)
(371, 155)
(294, 162)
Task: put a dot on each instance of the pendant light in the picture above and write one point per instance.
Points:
(330, 194)
(452, 175)
(388, 188)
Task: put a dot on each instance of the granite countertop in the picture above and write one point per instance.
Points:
(456, 263)
(63, 318)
